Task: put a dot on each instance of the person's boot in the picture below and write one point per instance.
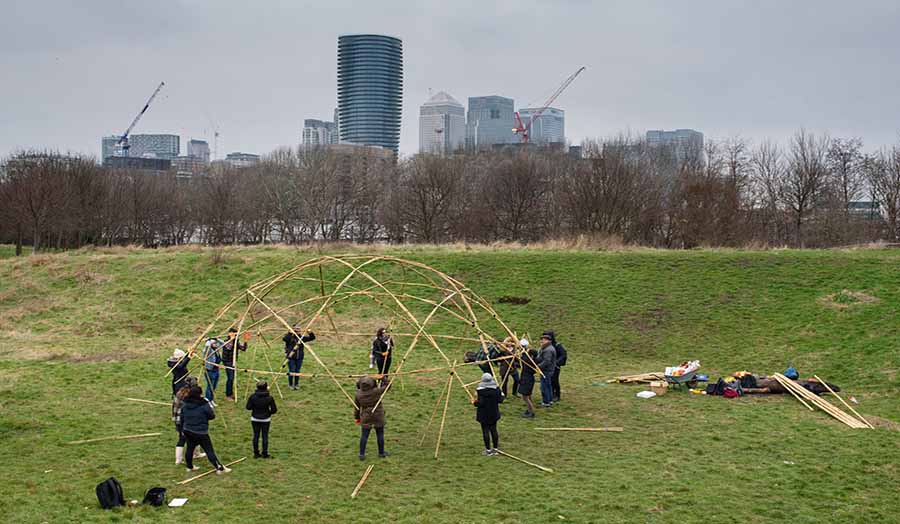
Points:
(179, 455)
(199, 454)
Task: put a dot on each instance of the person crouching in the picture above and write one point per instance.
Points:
(488, 413)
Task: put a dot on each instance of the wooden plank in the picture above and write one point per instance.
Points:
(538, 466)
(362, 481)
(844, 403)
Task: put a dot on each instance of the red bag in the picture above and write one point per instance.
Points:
(730, 393)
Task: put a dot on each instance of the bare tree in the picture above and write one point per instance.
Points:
(883, 174)
(805, 178)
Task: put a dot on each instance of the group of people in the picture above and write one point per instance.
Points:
(191, 411)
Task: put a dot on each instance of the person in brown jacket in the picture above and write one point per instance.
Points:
(369, 416)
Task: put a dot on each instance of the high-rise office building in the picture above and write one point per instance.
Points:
(198, 149)
(370, 89)
(490, 121)
(685, 143)
(241, 160)
(318, 133)
(154, 146)
(442, 125)
(548, 128)
(108, 147)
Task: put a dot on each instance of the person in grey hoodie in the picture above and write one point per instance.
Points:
(196, 412)
(547, 363)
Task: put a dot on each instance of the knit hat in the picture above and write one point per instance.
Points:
(487, 382)
(524, 343)
(178, 353)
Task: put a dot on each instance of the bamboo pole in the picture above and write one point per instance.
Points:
(823, 404)
(126, 437)
(362, 481)
(786, 386)
(542, 468)
(860, 417)
(149, 401)
(209, 472)
(437, 404)
(613, 429)
(437, 446)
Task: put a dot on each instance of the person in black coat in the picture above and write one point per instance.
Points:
(228, 349)
(262, 407)
(178, 362)
(488, 412)
(382, 348)
(196, 412)
(526, 382)
(293, 353)
(561, 358)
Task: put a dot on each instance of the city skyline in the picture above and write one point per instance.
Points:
(703, 65)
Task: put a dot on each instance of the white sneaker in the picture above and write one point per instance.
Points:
(193, 468)
(223, 470)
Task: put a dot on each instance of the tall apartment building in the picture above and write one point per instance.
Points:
(108, 147)
(442, 125)
(370, 89)
(685, 143)
(490, 121)
(154, 146)
(241, 160)
(318, 133)
(198, 149)
(548, 128)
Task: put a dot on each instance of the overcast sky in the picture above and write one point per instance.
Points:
(73, 71)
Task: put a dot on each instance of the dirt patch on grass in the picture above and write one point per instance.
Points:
(879, 422)
(78, 358)
(846, 299)
(649, 320)
(86, 277)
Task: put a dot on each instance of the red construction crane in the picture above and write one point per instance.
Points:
(123, 140)
(525, 130)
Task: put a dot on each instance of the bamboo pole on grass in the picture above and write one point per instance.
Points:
(610, 429)
(437, 446)
(823, 404)
(860, 417)
(149, 401)
(125, 437)
(362, 481)
(210, 471)
(786, 386)
(538, 466)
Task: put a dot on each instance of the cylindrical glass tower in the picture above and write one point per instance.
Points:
(370, 89)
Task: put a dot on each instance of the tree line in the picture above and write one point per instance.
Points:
(805, 193)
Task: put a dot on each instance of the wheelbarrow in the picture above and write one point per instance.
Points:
(688, 380)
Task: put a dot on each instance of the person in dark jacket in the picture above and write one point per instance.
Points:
(510, 368)
(228, 350)
(561, 358)
(177, 404)
(293, 353)
(367, 415)
(178, 363)
(212, 355)
(526, 382)
(488, 412)
(196, 412)
(262, 407)
(547, 364)
(382, 348)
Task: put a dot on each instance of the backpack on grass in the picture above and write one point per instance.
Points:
(155, 496)
(109, 493)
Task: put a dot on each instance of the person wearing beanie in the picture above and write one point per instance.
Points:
(561, 358)
(382, 348)
(195, 416)
(547, 363)
(231, 346)
(526, 381)
(178, 363)
(262, 406)
(177, 404)
(369, 416)
(488, 412)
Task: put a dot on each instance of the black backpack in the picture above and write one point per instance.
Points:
(109, 493)
(155, 496)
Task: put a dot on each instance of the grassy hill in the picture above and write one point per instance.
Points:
(80, 331)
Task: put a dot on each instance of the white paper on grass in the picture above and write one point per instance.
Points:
(646, 394)
(177, 503)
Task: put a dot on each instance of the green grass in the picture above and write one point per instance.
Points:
(81, 330)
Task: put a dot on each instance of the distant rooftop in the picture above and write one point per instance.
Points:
(442, 98)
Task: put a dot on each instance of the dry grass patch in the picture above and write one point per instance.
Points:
(846, 299)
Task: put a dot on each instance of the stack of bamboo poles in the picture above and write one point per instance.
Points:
(637, 379)
(809, 399)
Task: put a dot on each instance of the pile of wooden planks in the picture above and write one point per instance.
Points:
(642, 378)
(809, 399)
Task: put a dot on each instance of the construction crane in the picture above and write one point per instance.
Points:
(525, 129)
(123, 140)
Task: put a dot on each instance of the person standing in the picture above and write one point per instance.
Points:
(228, 350)
(526, 382)
(178, 363)
(196, 412)
(177, 404)
(488, 412)
(547, 364)
(510, 368)
(262, 406)
(293, 353)
(382, 348)
(367, 415)
(213, 359)
(561, 359)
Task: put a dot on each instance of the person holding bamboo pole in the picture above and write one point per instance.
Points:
(177, 405)
(231, 346)
(368, 415)
(488, 412)
(293, 353)
(526, 383)
(382, 347)
(195, 416)
(178, 362)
